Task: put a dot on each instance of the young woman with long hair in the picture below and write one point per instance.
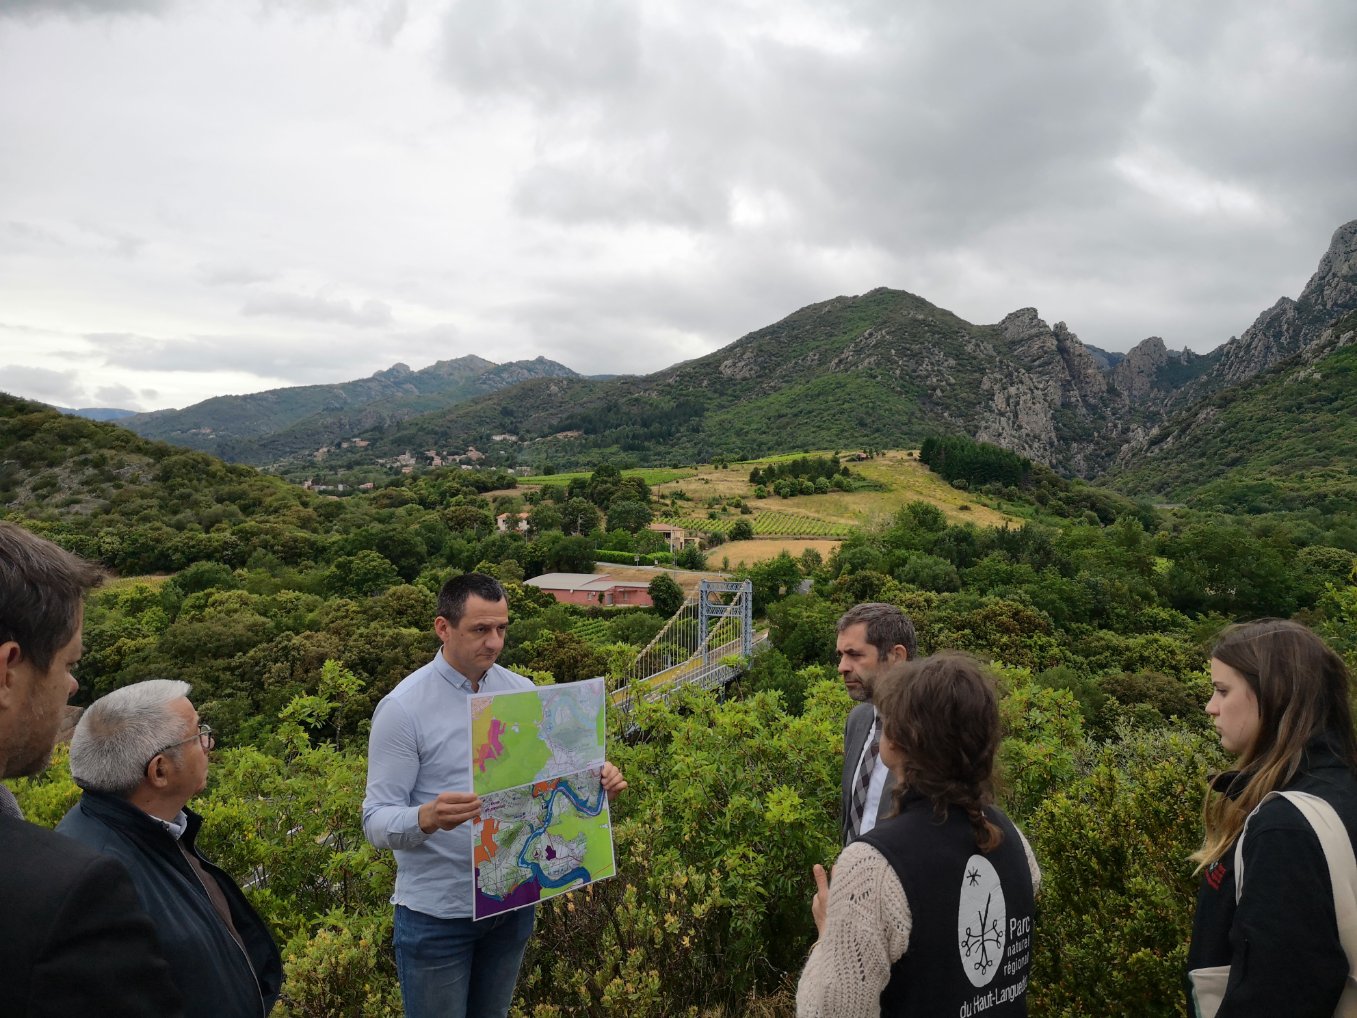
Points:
(930, 911)
(1281, 705)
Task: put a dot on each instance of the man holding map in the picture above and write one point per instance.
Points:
(419, 801)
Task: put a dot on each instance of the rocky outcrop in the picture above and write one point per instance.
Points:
(1289, 326)
(502, 375)
(1146, 371)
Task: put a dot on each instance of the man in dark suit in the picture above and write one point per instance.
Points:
(73, 940)
(872, 637)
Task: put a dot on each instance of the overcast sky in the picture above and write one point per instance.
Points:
(201, 197)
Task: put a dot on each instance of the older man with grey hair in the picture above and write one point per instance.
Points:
(140, 754)
(73, 939)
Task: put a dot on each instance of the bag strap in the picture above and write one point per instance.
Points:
(1337, 848)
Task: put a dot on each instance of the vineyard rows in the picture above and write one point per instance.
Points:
(594, 631)
(772, 524)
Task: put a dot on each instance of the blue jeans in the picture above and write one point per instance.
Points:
(457, 968)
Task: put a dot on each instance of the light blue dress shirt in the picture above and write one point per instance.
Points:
(420, 746)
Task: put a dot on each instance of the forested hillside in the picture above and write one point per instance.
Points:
(292, 613)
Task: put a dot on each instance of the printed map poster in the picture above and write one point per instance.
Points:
(536, 761)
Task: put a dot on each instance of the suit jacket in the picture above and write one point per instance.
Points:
(855, 731)
(75, 940)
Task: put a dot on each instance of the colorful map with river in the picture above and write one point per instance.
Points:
(536, 758)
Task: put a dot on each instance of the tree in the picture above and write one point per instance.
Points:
(628, 514)
(743, 530)
(573, 554)
(665, 595)
(472, 517)
(690, 557)
(567, 657)
(578, 516)
(601, 488)
(773, 580)
(544, 516)
(361, 575)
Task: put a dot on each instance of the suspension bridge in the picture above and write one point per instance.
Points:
(706, 644)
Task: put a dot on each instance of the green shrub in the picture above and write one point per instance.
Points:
(1115, 908)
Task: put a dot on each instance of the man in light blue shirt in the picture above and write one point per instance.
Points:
(418, 801)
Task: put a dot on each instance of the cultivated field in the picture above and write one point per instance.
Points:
(904, 477)
(748, 553)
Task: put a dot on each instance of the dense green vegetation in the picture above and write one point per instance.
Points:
(293, 613)
(960, 459)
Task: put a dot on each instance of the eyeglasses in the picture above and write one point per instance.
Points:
(204, 736)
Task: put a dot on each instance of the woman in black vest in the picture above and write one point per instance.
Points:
(1270, 944)
(931, 911)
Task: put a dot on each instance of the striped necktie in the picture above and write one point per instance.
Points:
(863, 778)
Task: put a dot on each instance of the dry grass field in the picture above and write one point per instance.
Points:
(749, 553)
(905, 478)
(687, 579)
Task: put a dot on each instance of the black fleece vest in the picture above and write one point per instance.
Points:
(970, 948)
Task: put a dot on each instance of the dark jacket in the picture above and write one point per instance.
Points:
(73, 940)
(970, 945)
(215, 974)
(1281, 942)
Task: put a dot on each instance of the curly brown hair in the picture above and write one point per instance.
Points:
(942, 714)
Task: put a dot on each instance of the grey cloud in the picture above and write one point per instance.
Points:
(319, 309)
(232, 275)
(119, 396)
(578, 192)
(59, 388)
(933, 127)
(550, 52)
(391, 21)
(987, 136)
(299, 361)
(81, 8)
(29, 237)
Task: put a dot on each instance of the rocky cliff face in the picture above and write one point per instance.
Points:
(1052, 401)
(1291, 325)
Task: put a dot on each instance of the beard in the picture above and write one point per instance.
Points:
(38, 724)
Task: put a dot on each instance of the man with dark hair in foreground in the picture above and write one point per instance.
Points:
(75, 940)
(872, 637)
(419, 800)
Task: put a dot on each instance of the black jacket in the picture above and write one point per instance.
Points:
(1281, 942)
(970, 947)
(214, 974)
(73, 940)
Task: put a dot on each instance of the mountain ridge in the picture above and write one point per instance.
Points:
(259, 428)
(882, 368)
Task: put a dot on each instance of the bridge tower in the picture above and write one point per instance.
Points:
(711, 606)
